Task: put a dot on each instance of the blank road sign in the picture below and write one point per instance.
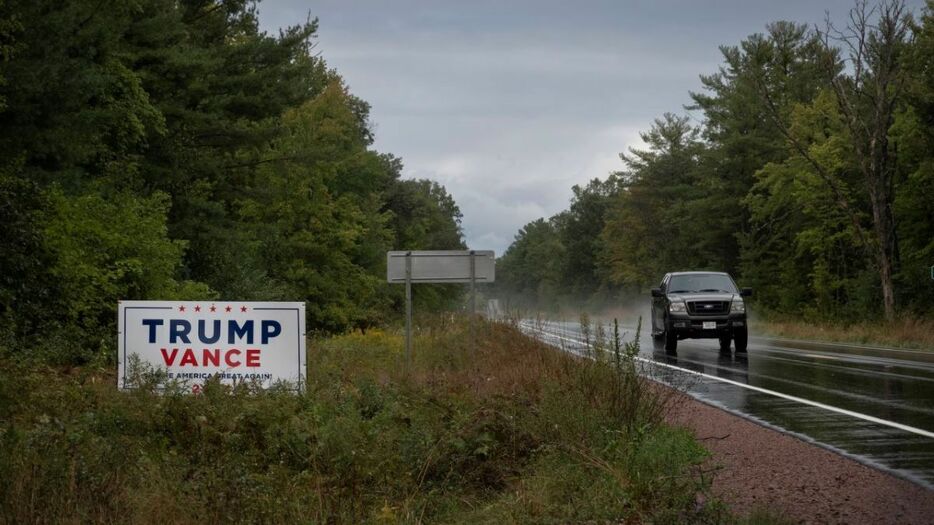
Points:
(448, 266)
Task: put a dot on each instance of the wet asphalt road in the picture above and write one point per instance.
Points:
(896, 386)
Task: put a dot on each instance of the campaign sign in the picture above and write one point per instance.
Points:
(193, 341)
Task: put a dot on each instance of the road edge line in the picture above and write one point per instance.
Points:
(816, 404)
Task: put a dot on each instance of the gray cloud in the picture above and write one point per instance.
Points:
(509, 104)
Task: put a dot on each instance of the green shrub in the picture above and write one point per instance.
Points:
(503, 432)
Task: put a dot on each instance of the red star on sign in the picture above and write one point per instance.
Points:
(181, 308)
(213, 308)
(198, 308)
(243, 308)
(228, 308)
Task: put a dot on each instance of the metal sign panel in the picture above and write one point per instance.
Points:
(192, 341)
(448, 266)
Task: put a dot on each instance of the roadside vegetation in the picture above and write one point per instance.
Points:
(163, 149)
(506, 431)
(803, 167)
(910, 332)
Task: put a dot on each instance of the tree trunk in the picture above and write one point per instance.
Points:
(879, 182)
(888, 291)
(884, 225)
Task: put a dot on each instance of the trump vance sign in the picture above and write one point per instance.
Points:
(195, 341)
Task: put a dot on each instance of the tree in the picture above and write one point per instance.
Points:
(913, 133)
(222, 87)
(308, 231)
(648, 229)
(811, 176)
(530, 269)
(579, 231)
(868, 79)
(741, 138)
(161, 149)
(808, 249)
(423, 216)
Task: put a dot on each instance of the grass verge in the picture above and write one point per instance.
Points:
(504, 431)
(909, 332)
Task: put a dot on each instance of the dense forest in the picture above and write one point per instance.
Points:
(805, 168)
(162, 149)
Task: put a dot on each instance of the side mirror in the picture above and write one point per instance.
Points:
(657, 292)
(746, 292)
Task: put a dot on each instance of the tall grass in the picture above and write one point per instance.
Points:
(503, 430)
(907, 332)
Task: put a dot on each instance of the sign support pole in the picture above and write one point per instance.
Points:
(408, 311)
(473, 301)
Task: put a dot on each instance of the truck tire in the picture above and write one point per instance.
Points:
(741, 337)
(725, 343)
(656, 336)
(671, 341)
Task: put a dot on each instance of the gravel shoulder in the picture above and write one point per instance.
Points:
(757, 467)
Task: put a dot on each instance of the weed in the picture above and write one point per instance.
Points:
(515, 431)
(908, 332)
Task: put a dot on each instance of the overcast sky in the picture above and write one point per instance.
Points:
(510, 103)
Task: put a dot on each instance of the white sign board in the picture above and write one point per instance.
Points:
(448, 266)
(193, 341)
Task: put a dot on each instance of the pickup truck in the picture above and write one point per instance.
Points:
(699, 305)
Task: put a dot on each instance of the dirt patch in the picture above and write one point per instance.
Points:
(764, 468)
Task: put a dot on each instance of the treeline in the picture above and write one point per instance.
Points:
(169, 149)
(810, 176)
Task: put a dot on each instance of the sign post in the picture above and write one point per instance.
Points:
(408, 310)
(442, 266)
(473, 301)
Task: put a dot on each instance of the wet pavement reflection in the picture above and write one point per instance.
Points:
(894, 385)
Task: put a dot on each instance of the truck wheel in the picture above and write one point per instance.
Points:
(656, 336)
(671, 341)
(725, 343)
(741, 337)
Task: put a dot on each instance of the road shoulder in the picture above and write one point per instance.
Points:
(757, 467)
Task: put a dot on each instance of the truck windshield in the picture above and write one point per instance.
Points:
(701, 282)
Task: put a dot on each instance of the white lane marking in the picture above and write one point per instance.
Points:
(838, 410)
(830, 357)
(845, 345)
